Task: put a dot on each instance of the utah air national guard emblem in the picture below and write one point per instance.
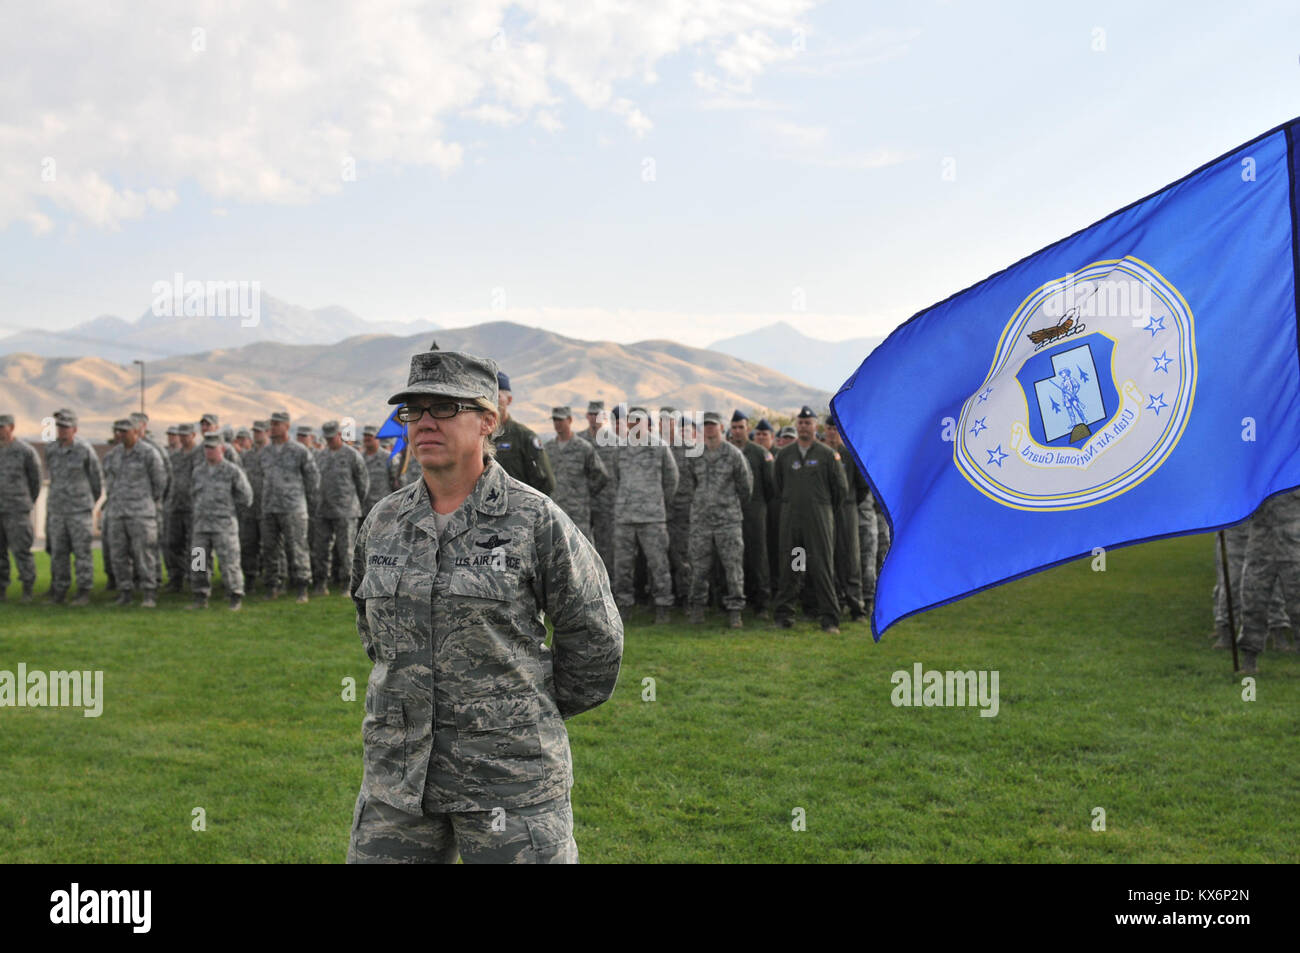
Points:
(1089, 391)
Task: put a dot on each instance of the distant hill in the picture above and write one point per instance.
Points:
(354, 378)
(153, 336)
(821, 364)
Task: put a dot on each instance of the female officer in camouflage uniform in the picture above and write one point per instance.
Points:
(465, 746)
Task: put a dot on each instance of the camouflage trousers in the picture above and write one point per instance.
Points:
(1272, 558)
(221, 544)
(135, 551)
(728, 544)
(250, 546)
(319, 573)
(16, 536)
(287, 530)
(68, 536)
(758, 581)
(177, 551)
(106, 548)
(679, 556)
(653, 539)
(867, 542)
(336, 536)
(848, 559)
(602, 534)
(1235, 538)
(882, 539)
(537, 834)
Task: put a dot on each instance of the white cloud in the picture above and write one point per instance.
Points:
(264, 102)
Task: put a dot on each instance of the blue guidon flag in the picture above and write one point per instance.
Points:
(1136, 380)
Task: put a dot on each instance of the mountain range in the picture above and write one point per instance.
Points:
(822, 364)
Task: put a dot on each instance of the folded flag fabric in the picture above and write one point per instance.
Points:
(1138, 379)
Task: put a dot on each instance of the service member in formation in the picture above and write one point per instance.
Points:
(76, 481)
(250, 519)
(645, 477)
(719, 482)
(848, 558)
(810, 487)
(679, 507)
(140, 420)
(579, 474)
(219, 490)
(20, 485)
(177, 506)
(377, 466)
(784, 438)
(765, 437)
(173, 442)
(455, 576)
(135, 480)
(600, 436)
(344, 483)
(1279, 624)
(758, 580)
(1272, 559)
(290, 486)
(518, 450)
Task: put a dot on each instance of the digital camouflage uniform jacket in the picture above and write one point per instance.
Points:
(465, 707)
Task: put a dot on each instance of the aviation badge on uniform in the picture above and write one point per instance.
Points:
(1088, 393)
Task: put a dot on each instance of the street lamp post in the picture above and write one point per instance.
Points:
(141, 363)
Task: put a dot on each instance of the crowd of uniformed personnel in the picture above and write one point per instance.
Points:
(732, 516)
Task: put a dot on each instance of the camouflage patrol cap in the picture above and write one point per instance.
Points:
(185, 430)
(302, 430)
(330, 428)
(370, 430)
(262, 425)
(560, 413)
(228, 433)
(65, 418)
(211, 440)
(209, 419)
(171, 431)
(787, 432)
(243, 434)
(138, 418)
(450, 374)
(6, 420)
(595, 406)
(122, 424)
(279, 417)
(712, 417)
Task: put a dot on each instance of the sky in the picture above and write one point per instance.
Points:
(606, 169)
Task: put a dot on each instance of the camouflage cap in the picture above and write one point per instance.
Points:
(560, 413)
(185, 430)
(6, 420)
(450, 374)
(370, 430)
(65, 418)
(210, 419)
(330, 428)
(262, 425)
(171, 431)
(138, 418)
(211, 440)
(122, 424)
(228, 433)
(302, 430)
(712, 417)
(279, 417)
(787, 432)
(243, 434)
(595, 406)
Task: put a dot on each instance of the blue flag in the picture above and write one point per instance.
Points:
(1136, 380)
(393, 427)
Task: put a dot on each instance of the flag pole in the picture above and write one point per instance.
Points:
(1227, 591)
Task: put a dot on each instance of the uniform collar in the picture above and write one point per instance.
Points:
(489, 495)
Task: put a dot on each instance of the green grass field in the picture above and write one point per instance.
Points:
(1109, 697)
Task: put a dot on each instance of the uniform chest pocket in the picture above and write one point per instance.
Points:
(499, 738)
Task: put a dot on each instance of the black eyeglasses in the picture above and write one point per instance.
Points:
(442, 410)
